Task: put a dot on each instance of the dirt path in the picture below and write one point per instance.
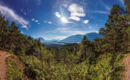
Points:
(126, 61)
(3, 56)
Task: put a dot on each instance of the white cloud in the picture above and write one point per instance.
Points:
(48, 22)
(36, 21)
(100, 12)
(58, 14)
(55, 37)
(33, 19)
(76, 11)
(75, 18)
(85, 21)
(69, 31)
(11, 15)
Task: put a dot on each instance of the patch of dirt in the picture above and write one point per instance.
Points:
(126, 62)
(3, 66)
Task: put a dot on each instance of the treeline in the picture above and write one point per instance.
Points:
(13, 40)
(90, 60)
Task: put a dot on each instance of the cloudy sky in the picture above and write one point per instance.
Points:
(57, 19)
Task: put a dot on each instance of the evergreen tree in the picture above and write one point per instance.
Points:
(14, 37)
(127, 3)
(113, 36)
(128, 41)
(85, 49)
(3, 33)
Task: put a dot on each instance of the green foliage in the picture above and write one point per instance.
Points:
(107, 66)
(85, 49)
(66, 54)
(33, 67)
(13, 70)
(115, 34)
(128, 41)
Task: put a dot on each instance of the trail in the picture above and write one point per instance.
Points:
(3, 67)
(126, 61)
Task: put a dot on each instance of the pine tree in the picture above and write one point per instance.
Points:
(128, 41)
(85, 49)
(3, 33)
(127, 3)
(127, 30)
(113, 36)
(14, 34)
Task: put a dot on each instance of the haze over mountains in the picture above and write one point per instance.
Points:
(71, 39)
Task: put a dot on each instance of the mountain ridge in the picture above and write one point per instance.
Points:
(78, 38)
(71, 39)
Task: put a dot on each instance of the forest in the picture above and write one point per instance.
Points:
(100, 59)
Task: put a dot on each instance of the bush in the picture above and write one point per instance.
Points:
(13, 70)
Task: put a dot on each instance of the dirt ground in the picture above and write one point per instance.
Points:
(3, 68)
(126, 61)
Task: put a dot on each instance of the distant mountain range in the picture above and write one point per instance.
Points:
(71, 39)
(78, 38)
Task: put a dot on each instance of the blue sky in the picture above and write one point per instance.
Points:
(57, 19)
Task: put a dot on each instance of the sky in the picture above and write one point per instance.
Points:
(57, 19)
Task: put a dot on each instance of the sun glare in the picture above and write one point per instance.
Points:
(64, 20)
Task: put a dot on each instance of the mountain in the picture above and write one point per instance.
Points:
(73, 39)
(92, 36)
(78, 38)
